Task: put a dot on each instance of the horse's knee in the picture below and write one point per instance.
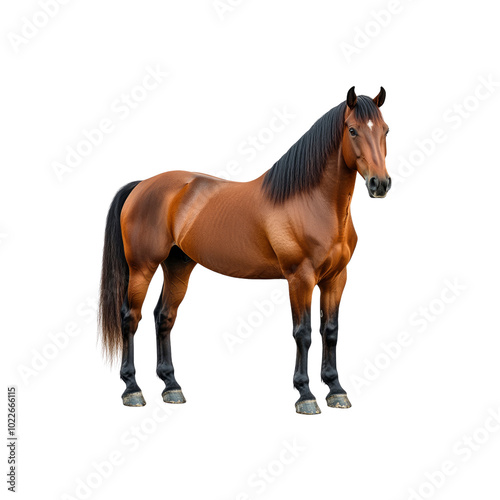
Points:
(302, 335)
(330, 334)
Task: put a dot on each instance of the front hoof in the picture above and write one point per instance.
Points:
(174, 397)
(134, 399)
(307, 407)
(338, 401)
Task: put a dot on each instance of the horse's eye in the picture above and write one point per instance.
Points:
(353, 132)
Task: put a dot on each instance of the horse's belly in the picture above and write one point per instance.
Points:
(240, 268)
(233, 260)
(237, 251)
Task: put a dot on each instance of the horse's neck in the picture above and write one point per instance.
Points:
(337, 186)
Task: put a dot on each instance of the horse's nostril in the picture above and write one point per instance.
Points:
(389, 183)
(373, 184)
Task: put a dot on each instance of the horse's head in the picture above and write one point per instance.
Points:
(363, 141)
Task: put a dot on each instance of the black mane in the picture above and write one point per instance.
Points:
(301, 167)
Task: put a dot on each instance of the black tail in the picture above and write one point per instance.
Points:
(114, 276)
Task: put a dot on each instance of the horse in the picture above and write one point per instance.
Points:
(293, 222)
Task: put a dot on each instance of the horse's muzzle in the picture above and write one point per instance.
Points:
(378, 188)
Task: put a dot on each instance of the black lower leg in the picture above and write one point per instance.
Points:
(329, 373)
(302, 336)
(164, 320)
(127, 371)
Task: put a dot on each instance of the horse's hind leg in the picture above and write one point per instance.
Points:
(177, 269)
(139, 280)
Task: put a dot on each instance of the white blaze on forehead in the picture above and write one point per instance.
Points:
(370, 124)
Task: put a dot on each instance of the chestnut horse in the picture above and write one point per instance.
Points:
(293, 222)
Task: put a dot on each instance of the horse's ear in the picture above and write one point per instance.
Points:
(380, 99)
(351, 98)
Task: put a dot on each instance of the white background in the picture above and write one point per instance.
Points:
(228, 72)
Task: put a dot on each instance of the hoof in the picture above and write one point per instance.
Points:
(134, 399)
(308, 407)
(175, 397)
(338, 401)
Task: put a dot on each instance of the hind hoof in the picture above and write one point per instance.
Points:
(308, 407)
(338, 401)
(174, 397)
(134, 399)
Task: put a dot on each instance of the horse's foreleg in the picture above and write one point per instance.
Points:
(331, 293)
(176, 275)
(301, 284)
(131, 315)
